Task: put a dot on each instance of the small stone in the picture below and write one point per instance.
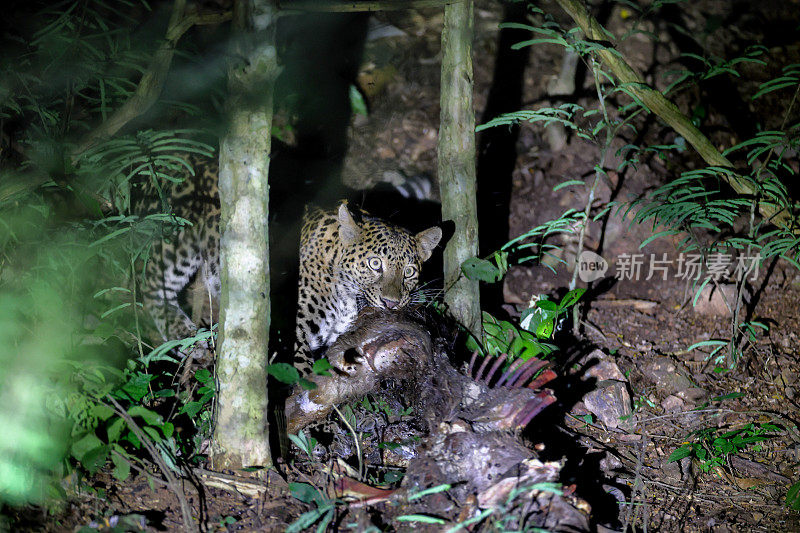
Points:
(604, 369)
(610, 404)
(672, 403)
(717, 300)
(610, 463)
(693, 394)
(667, 375)
(671, 469)
(384, 152)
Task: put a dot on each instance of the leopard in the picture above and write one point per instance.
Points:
(351, 260)
(348, 260)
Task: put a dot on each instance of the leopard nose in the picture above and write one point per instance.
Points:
(389, 304)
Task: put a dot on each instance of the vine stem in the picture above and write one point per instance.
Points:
(590, 200)
(355, 438)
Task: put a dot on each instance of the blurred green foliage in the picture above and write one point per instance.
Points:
(76, 372)
(46, 287)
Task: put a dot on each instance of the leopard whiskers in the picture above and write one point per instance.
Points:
(425, 294)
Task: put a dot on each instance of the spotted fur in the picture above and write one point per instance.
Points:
(179, 256)
(348, 263)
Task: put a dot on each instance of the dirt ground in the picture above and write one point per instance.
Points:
(640, 329)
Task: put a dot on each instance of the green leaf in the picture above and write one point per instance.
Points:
(191, 409)
(425, 519)
(168, 429)
(115, 429)
(480, 270)
(137, 386)
(152, 433)
(729, 396)
(122, 469)
(567, 184)
(94, 459)
(150, 417)
(793, 497)
(713, 342)
(305, 493)
(357, 102)
(680, 453)
(392, 476)
(545, 328)
(84, 445)
(547, 305)
(203, 375)
(307, 444)
(102, 411)
(306, 520)
(431, 490)
(283, 372)
(321, 367)
(472, 344)
(571, 298)
(307, 385)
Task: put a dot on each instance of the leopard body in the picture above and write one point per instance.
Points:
(184, 252)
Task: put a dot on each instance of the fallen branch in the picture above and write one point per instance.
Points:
(152, 82)
(146, 94)
(669, 112)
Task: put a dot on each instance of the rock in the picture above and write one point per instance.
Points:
(717, 300)
(672, 378)
(610, 463)
(671, 469)
(610, 403)
(693, 394)
(601, 366)
(667, 375)
(604, 370)
(788, 379)
(672, 403)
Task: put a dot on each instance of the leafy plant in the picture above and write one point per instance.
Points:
(712, 447)
(793, 497)
(323, 513)
(305, 443)
(538, 324)
(698, 206)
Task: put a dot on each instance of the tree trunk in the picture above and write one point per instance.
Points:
(241, 433)
(457, 163)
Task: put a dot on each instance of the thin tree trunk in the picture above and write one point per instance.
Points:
(241, 432)
(457, 163)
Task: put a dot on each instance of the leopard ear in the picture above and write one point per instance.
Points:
(349, 231)
(427, 241)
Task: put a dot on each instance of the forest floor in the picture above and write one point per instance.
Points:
(641, 327)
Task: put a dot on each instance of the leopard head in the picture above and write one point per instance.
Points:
(380, 262)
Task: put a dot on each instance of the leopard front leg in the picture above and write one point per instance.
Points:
(168, 272)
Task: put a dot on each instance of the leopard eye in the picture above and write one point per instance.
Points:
(410, 271)
(375, 263)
